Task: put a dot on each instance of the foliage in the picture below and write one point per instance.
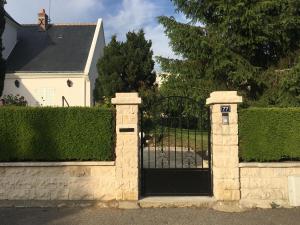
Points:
(56, 134)
(187, 86)
(282, 87)
(269, 134)
(16, 100)
(291, 86)
(233, 43)
(126, 67)
(2, 61)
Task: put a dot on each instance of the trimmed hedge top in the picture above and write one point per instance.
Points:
(269, 134)
(56, 134)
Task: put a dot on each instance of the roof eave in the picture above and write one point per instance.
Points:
(32, 75)
(92, 51)
(40, 72)
(12, 19)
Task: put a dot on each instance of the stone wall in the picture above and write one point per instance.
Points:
(58, 181)
(266, 184)
(250, 184)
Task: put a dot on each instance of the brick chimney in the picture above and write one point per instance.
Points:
(43, 20)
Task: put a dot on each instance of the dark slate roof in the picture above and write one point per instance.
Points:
(62, 48)
(12, 19)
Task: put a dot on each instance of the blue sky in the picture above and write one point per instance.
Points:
(119, 16)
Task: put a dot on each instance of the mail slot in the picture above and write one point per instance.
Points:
(126, 130)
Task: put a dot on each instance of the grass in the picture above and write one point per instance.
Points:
(179, 137)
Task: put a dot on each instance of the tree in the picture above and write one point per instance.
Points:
(2, 61)
(126, 67)
(233, 43)
(188, 86)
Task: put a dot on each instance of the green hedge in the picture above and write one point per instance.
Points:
(269, 134)
(56, 134)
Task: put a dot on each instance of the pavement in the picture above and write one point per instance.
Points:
(172, 216)
(172, 158)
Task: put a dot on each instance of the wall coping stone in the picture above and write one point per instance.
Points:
(126, 99)
(269, 165)
(57, 164)
(226, 97)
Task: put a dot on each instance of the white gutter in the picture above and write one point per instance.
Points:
(32, 75)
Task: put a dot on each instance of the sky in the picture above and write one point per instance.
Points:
(119, 16)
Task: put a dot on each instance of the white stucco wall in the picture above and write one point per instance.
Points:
(44, 90)
(96, 52)
(9, 38)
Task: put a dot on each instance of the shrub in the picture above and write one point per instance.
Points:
(269, 134)
(56, 134)
(16, 100)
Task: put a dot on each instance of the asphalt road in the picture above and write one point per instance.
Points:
(96, 216)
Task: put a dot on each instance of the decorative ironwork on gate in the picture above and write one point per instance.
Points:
(175, 148)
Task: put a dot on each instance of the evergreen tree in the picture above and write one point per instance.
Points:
(2, 61)
(126, 67)
(233, 43)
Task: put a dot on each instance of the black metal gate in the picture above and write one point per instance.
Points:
(175, 148)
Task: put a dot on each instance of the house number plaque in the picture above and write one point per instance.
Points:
(225, 109)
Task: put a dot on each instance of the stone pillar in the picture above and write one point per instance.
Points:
(224, 144)
(127, 145)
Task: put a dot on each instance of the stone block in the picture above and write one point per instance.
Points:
(294, 190)
(220, 129)
(20, 194)
(266, 182)
(130, 119)
(126, 99)
(42, 194)
(225, 173)
(81, 191)
(80, 171)
(265, 204)
(61, 193)
(263, 194)
(103, 172)
(2, 172)
(227, 184)
(249, 172)
(221, 161)
(226, 195)
(224, 140)
(224, 97)
(119, 119)
(128, 205)
(131, 195)
(229, 151)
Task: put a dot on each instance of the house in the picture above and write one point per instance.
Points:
(52, 64)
